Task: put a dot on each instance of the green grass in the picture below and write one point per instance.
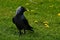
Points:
(44, 10)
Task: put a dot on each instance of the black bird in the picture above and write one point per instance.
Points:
(20, 21)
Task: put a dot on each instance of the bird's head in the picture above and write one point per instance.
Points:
(20, 9)
(23, 9)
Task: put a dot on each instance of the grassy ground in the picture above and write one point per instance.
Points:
(41, 14)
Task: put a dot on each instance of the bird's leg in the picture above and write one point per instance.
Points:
(24, 31)
(20, 32)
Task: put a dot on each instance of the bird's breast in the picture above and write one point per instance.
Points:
(22, 17)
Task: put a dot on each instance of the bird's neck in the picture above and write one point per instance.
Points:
(20, 13)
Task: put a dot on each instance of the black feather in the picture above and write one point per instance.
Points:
(20, 21)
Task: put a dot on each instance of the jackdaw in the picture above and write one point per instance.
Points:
(20, 21)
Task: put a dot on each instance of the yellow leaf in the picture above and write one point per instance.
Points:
(58, 14)
(27, 4)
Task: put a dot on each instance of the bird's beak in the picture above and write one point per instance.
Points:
(27, 10)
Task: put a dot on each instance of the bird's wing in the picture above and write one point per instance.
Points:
(25, 22)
